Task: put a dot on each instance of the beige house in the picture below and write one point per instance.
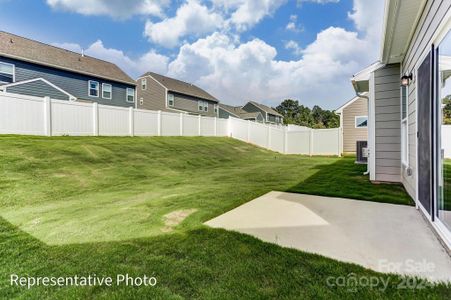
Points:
(353, 123)
(158, 92)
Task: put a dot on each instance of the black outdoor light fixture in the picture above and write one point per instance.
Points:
(405, 80)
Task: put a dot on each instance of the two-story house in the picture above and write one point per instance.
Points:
(251, 111)
(33, 68)
(158, 92)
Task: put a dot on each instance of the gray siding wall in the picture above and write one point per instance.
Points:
(37, 89)
(73, 83)
(252, 108)
(225, 114)
(351, 134)
(190, 104)
(154, 96)
(388, 124)
(433, 15)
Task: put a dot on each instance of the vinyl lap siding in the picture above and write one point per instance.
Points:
(433, 15)
(154, 96)
(190, 104)
(388, 124)
(73, 83)
(351, 134)
(37, 89)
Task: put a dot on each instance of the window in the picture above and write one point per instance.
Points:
(404, 127)
(6, 72)
(361, 122)
(130, 95)
(93, 88)
(215, 108)
(141, 101)
(203, 105)
(144, 84)
(171, 100)
(107, 91)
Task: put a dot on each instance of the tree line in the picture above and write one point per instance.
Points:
(298, 114)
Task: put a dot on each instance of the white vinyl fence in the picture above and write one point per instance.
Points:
(44, 116)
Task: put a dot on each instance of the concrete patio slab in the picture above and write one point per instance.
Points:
(382, 237)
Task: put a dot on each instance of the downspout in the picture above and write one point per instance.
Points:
(368, 100)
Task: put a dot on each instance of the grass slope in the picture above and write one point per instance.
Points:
(96, 205)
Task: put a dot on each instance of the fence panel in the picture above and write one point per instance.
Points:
(21, 115)
(298, 142)
(207, 126)
(238, 129)
(222, 127)
(113, 121)
(170, 124)
(326, 142)
(446, 140)
(258, 134)
(145, 122)
(277, 139)
(72, 118)
(190, 125)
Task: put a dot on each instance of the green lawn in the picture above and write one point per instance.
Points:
(110, 206)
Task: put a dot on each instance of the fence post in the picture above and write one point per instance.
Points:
(248, 130)
(95, 118)
(311, 142)
(131, 120)
(159, 123)
(200, 124)
(181, 124)
(285, 141)
(47, 116)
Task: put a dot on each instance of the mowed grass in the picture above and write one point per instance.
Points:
(74, 205)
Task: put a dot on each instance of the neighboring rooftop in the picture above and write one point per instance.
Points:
(239, 112)
(17, 47)
(181, 87)
(265, 108)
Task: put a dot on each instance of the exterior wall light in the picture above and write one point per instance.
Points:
(405, 80)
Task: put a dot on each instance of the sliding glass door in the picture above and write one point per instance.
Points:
(444, 131)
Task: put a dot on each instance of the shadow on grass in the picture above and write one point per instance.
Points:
(200, 263)
(345, 179)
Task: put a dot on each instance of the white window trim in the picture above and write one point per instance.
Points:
(355, 121)
(14, 72)
(405, 122)
(144, 84)
(173, 100)
(126, 95)
(111, 91)
(89, 89)
(200, 105)
(205, 106)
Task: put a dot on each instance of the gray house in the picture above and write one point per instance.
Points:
(33, 68)
(269, 114)
(353, 123)
(238, 112)
(158, 92)
(407, 89)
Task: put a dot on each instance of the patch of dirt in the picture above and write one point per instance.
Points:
(176, 217)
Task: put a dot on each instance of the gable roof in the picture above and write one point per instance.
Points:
(181, 87)
(239, 112)
(341, 108)
(265, 108)
(6, 86)
(17, 47)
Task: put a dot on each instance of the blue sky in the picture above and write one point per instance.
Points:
(239, 50)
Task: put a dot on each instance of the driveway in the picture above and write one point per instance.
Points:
(382, 237)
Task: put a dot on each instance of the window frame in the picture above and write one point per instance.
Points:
(216, 109)
(13, 73)
(127, 94)
(170, 95)
(111, 91)
(205, 106)
(200, 105)
(89, 88)
(144, 84)
(404, 127)
(355, 122)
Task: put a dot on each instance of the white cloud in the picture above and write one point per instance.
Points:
(191, 18)
(293, 26)
(294, 47)
(247, 13)
(114, 8)
(150, 61)
(318, 1)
